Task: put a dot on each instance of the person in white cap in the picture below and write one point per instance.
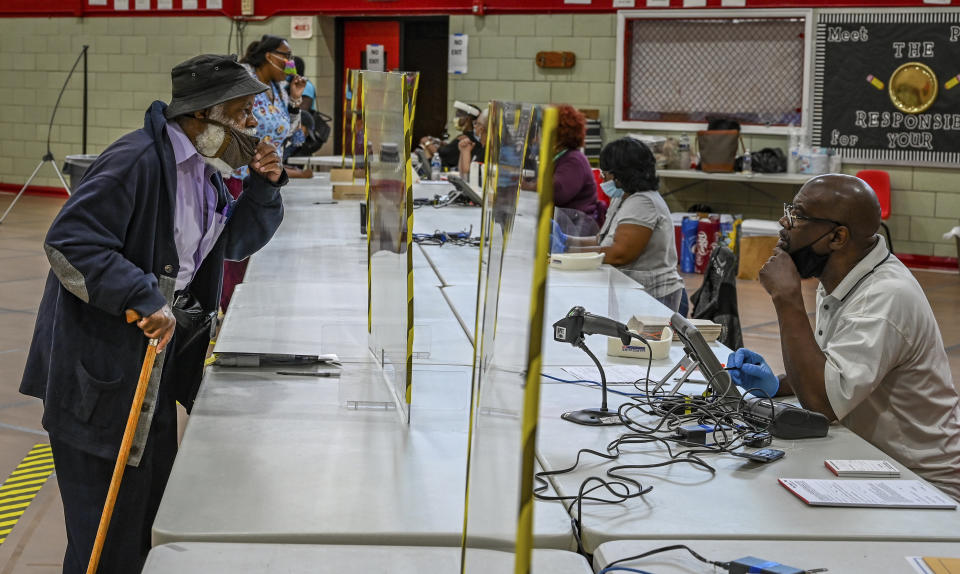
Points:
(466, 115)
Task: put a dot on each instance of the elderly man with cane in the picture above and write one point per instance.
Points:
(144, 237)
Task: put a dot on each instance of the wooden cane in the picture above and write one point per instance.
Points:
(128, 434)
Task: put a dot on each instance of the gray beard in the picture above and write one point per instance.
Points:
(208, 142)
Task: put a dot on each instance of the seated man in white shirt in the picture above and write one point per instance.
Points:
(875, 360)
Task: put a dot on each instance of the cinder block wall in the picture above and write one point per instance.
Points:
(131, 58)
(501, 64)
(129, 67)
(925, 201)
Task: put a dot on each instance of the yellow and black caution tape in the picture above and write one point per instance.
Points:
(531, 400)
(409, 96)
(22, 486)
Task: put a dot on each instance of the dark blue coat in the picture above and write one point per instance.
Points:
(112, 248)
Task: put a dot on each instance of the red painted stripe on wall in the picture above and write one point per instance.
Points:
(34, 190)
(928, 262)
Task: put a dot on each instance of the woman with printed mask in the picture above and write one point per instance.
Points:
(637, 236)
(277, 111)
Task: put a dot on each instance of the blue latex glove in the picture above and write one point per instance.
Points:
(749, 371)
(558, 240)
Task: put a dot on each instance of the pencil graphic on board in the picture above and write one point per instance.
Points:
(952, 82)
(875, 82)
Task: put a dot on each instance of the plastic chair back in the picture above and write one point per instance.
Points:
(598, 179)
(879, 180)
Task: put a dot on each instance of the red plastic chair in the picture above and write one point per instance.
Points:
(598, 179)
(879, 180)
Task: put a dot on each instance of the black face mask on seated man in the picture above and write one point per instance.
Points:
(810, 263)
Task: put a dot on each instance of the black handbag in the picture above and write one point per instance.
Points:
(767, 160)
(195, 328)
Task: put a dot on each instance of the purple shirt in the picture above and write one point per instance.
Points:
(574, 186)
(196, 223)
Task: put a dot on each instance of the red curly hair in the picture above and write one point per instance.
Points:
(572, 127)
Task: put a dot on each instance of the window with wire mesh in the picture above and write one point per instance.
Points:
(692, 70)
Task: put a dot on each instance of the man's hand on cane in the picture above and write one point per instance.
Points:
(160, 325)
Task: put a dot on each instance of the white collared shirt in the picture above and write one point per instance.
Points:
(887, 375)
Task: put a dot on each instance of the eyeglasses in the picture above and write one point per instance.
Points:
(789, 212)
(286, 55)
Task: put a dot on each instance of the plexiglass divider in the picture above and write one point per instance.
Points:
(515, 237)
(387, 120)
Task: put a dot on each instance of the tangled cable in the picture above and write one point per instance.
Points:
(653, 416)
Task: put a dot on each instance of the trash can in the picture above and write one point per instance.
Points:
(758, 237)
(76, 165)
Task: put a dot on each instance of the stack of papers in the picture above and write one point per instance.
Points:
(654, 325)
(868, 493)
(863, 468)
(616, 374)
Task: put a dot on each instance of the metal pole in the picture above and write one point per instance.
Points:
(23, 189)
(84, 145)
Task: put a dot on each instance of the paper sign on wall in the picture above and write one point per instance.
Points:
(164, 4)
(658, 3)
(623, 3)
(189, 4)
(457, 59)
(694, 3)
(141, 5)
(214, 4)
(121, 4)
(98, 2)
(375, 58)
(733, 3)
(301, 27)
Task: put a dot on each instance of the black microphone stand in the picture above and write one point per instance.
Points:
(593, 417)
(49, 155)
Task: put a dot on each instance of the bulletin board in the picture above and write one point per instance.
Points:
(677, 69)
(887, 86)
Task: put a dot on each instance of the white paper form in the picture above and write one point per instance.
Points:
(868, 493)
(614, 373)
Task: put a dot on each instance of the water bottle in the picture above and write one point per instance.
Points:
(747, 163)
(684, 151)
(793, 153)
(435, 167)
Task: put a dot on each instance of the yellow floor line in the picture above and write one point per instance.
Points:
(19, 490)
(36, 469)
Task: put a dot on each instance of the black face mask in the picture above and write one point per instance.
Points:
(809, 263)
(238, 148)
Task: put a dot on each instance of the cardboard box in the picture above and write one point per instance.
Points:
(346, 191)
(341, 175)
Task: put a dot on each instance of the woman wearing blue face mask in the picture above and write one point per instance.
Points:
(637, 236)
